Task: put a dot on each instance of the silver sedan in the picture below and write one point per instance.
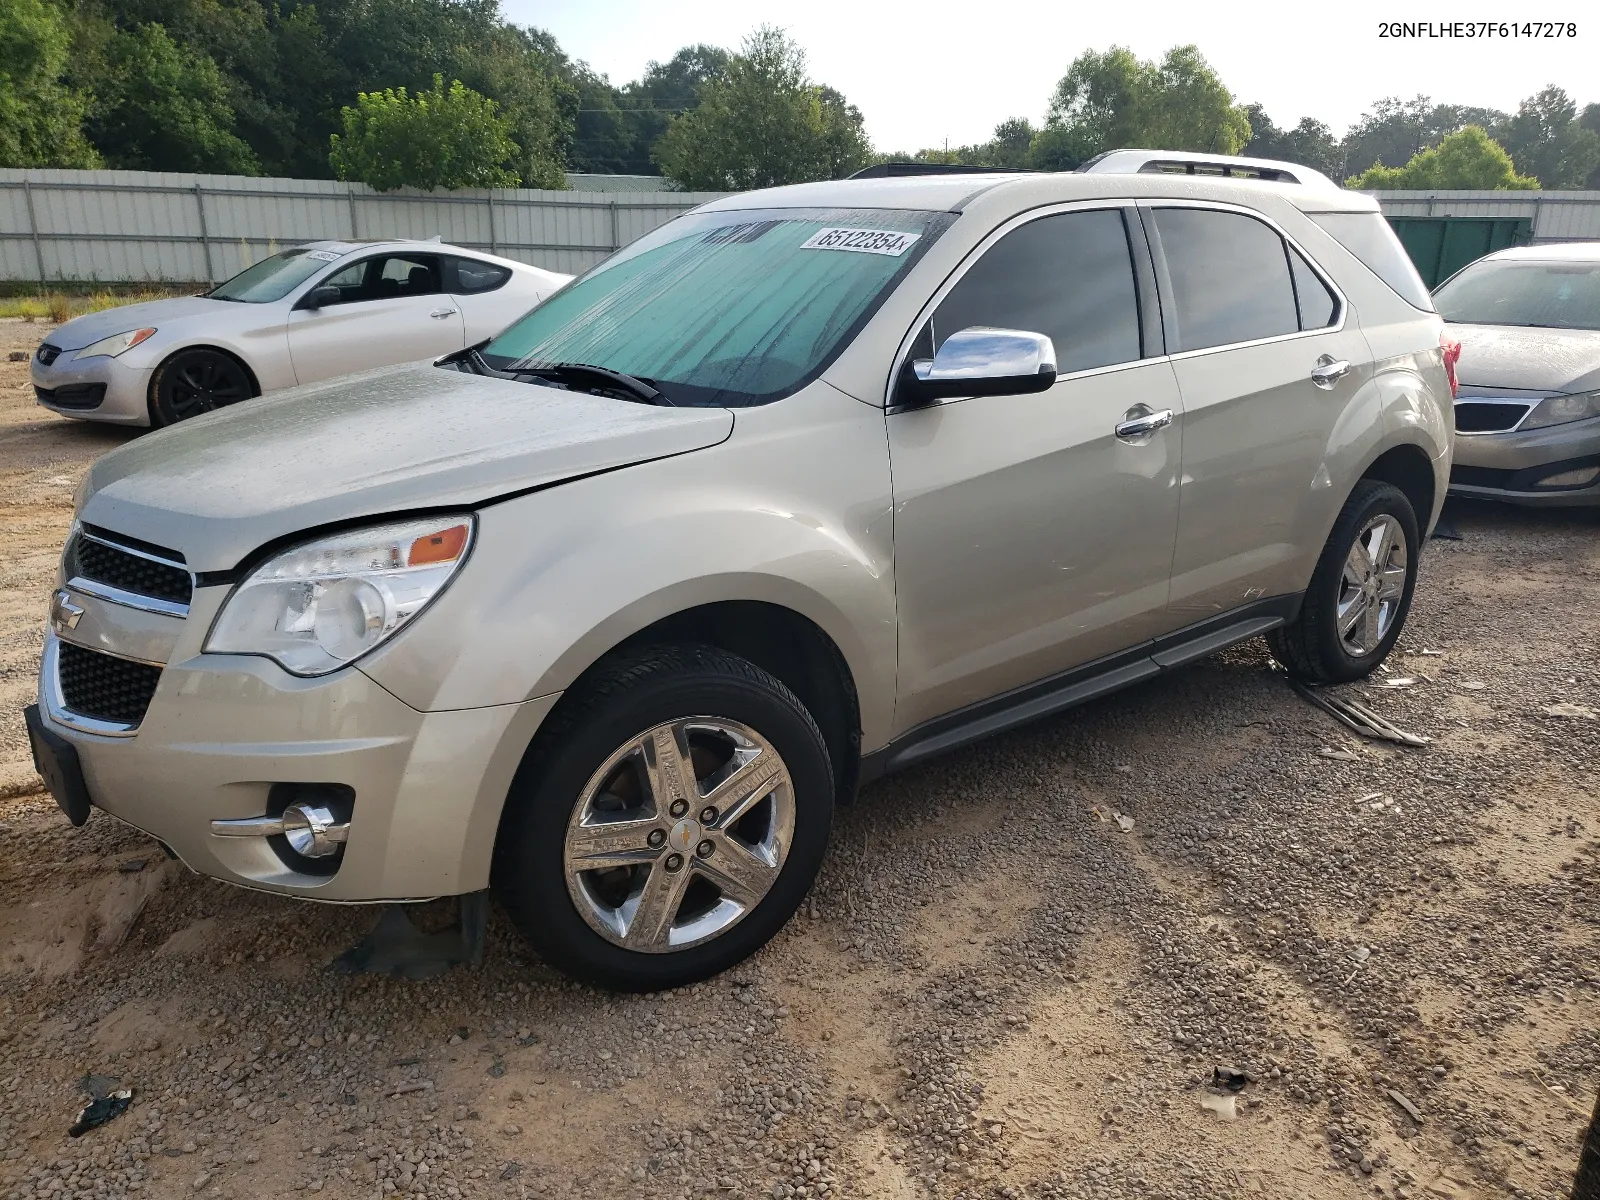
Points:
(318, 310)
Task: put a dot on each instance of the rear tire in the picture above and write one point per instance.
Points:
(1360, 592)
(619, 876)
(196, 381)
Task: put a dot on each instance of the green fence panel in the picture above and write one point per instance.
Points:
(1441, 246)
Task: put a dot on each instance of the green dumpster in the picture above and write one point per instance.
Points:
(1441, 246)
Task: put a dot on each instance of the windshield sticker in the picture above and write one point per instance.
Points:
(748, 232)
(325, 255)
(861, 241)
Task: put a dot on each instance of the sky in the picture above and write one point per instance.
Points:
(925, 72)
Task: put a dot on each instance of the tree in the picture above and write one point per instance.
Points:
(1113, 100)
(1546, 139)
(441, 138)
(664, 91)
(162, 106)
(765, 124)
(1396, 130)
(1467, 160)
(1310, 142)
(40, 118)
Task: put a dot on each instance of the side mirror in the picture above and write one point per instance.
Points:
(984, 362)
(321, 297)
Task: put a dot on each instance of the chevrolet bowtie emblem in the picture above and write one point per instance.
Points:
(64, 614)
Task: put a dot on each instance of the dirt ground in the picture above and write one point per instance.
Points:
(998, 988)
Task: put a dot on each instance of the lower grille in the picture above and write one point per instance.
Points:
(103, 687)
(1478, 417)
(72, 395)
(1489, 477)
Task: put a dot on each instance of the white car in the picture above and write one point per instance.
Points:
(303, 315)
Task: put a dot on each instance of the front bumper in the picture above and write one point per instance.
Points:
(94, 389)
(222, 729)
(1513, 466)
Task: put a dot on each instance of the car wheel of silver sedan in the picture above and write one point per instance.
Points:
(197, 381)
(667, 821)
(1360, 592)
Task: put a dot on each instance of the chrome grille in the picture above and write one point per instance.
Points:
(1489, 416)
(103, 687)
(140, 571)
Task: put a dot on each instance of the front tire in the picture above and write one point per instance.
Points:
(1360, 593)
(196, 381)
(666, 822)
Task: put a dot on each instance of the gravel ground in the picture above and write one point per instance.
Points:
(1016, 977)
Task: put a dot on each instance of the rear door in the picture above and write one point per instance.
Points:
(1029, 537)
(392, 308)
(1250, 321)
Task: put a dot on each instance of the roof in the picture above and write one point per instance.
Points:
(1552, 252)
(952, 193)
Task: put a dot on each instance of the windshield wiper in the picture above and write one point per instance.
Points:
(586, 377)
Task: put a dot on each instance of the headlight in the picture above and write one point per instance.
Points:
(1558, 410)
(325, 603)
(116, 344)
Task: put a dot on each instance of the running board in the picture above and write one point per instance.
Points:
(1069, 689)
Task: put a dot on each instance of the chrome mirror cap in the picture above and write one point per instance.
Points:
(981, 361)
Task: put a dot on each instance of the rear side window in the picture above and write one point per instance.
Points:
(1068, 276)
(1369, 237)
(1318, 307)
(473, 276)
(1230, 277)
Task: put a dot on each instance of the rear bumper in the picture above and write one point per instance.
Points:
(221, 730)
(1517, 467)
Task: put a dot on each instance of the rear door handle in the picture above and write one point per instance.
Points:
(440, 314)
(1140, 422)
(1329, 371)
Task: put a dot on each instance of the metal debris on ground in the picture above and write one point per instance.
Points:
(1224, 1104)
(1229, 1078)
(1473, 685)
(1411, 1109)
(1569, 710)
(1359, 717)
(97, 1112)
(1338, 755)
(1124, 822)
(1399, 681)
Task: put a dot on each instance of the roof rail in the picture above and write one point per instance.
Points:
(898, 170)
(1216, 166)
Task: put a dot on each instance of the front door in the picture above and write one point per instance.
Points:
(1255, 331)
(392, 309)
(1030, 538)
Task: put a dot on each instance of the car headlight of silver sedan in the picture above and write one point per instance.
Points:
(323, 604)
(1558, 410)
(117, 343)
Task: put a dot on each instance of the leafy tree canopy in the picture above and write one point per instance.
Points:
(41, 119)
(441, 138)
(766, 123)
(1546, 139)
(1467, 160)
(1310, 142)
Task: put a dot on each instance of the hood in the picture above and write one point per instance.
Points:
(382, 442)
(1532, 360)
(91, 327)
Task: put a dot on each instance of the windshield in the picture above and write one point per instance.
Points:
(728, 308)
(274, 277)
(1549, 294)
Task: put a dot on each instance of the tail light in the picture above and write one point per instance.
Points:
(1452, 352)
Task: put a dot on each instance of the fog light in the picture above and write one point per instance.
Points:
(313, 831)
(1571, 479)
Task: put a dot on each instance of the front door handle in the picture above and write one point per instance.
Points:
(1140, 422)
(1329, 371)
(439, 314)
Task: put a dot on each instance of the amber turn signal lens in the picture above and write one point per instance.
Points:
(442, 547)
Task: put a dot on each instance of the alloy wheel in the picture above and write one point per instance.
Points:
(203, 382)
(679, 835)
(1372, 585)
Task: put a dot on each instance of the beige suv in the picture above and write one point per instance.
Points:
(806, 486)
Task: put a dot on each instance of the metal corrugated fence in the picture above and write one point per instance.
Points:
(1556, 216)
(126, 226)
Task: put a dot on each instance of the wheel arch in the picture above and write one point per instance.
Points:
(1408, 467)
(226, 352)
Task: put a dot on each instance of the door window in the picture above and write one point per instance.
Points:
(1318, 306)
(1230, 277)
(386, 277)
(473, 276)
(1068, 276)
